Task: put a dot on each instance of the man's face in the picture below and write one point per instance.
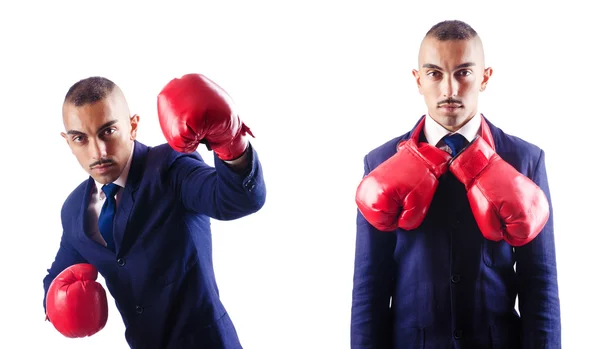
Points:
(451, 75)
(101, 135)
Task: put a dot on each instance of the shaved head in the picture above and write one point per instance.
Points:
(89, 90)
(475, 47)
(452, 30)
(94, 89)
(112, 100)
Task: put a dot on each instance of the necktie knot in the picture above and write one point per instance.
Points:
(110, 189)
(456, 142)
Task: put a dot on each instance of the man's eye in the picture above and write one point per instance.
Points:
(433, 74)
(464, 73)
(77, 139)
(109, 131)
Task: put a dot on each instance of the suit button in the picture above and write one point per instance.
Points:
(458, 334)
(250, 185)
(121, 262)
(455, 279)
(139, 309)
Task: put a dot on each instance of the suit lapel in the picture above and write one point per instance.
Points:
(418, 128)
(81, 221)
(495, 133)
(127, 199)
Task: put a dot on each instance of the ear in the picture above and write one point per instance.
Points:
(487, 74)
(134, 121)
(66, 137)
(417, 77)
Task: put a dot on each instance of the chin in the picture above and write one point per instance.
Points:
(447, 117)
(449, 121)
(105, 178)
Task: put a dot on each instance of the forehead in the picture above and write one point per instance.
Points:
(88, 117)
(450, 53)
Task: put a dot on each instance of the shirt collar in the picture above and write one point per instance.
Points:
(122, 180)
(434, 132)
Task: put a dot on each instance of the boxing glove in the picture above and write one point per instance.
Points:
(193, 109)
(76, 304)
(398, 192)
(506, 204)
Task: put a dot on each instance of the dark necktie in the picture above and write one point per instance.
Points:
(107, 215)
(456, 142)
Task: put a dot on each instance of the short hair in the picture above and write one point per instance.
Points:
(89, 90)
(451, 30)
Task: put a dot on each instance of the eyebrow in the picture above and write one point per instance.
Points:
(79, 133)
(460, 66)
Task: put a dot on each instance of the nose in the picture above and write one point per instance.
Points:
(98, 149)
(450, 87)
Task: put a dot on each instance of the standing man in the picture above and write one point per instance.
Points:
(446, 211)
(142, 218)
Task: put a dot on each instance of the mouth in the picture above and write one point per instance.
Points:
(450, 106)
(102, 168)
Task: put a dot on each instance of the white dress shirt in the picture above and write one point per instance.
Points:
(98, 198)
(434, 132)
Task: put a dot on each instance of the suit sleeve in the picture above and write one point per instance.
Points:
(218, 192)
(374, 270)
(65, 257)
(539, 303)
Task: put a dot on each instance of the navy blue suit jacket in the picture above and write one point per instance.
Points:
(161, 276)
(443, 285)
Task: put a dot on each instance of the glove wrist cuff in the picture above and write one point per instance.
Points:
(435, 158)
(236, 147)
(472, 161)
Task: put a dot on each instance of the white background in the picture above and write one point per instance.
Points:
(320, 84)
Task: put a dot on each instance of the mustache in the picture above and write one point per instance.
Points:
(101, 162)
(449, 101)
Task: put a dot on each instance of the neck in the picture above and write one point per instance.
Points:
(453, 124)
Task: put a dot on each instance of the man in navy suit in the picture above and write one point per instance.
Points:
(454, 222)
(142, 218)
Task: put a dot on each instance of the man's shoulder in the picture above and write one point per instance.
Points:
(74, 199)
(512, 147)
(523, 155)
(161, 159)
(506, 142)
(384, 151)
(165, 154)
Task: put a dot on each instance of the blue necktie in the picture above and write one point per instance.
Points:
(456, 142)
(107, 215)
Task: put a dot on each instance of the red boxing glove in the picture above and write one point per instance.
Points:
(193, 110)
(76, 304)
(398, 193)
(506, 204)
